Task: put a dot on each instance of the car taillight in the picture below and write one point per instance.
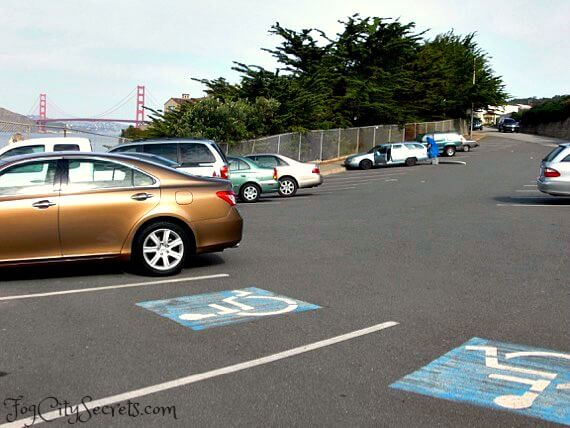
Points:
(316, 170)
(225, 172)
(551, 173)
(275, 175)
(228, 196)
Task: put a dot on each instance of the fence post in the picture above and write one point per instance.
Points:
(338, 150)
(357, 140)
(279, 144)
(374, 137)
(415, 130)
(299, 146)
(404, 134)
(390, 134)
(321, 150)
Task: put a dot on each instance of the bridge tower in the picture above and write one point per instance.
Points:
(140, 106)
(43, 113)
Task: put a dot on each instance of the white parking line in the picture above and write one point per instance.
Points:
(529, 185)
(533, 205)
(113, 287)
(357, 176)
(177, 383)
(258, 204)
(528, 190)
(354, 181)
(335, 188)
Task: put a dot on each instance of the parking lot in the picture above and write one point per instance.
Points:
(397, 266)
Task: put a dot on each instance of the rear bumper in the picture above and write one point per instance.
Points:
(555, 188)
(311, 182)
(218, 234)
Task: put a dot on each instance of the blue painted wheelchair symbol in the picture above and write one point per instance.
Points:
(529, 381)
(227, 307)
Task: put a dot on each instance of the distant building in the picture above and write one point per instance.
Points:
(492, 114)
(175, 103)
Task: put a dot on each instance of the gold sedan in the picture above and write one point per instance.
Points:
(70, 206)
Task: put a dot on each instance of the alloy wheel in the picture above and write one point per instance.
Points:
(287, 187)
(163, 249)
(250, 193)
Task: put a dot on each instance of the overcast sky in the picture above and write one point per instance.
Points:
(87, 55)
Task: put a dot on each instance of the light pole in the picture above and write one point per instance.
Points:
(472, 103)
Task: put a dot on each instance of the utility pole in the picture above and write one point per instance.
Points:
(472, 103)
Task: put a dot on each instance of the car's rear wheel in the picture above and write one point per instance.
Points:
(365, 164)
(161, 248)
(411, 161)
(249, 192)
(287, 187)
(450, 151)
(466, 148)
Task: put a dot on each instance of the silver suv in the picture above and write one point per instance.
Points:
(198, 157)
(555, 172)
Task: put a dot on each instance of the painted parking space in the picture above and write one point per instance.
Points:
(204, 311)
(528, 381)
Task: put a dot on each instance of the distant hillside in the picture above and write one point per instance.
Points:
(533, 101)
(10, 116)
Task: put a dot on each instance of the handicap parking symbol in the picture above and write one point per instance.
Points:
(226, 307)
(529, 381)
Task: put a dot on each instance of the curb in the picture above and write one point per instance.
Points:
(333, 171)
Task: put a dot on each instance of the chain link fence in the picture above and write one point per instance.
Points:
(13, 131)
(307, 146)
(334, 143)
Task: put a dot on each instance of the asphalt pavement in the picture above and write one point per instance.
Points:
(444, 254)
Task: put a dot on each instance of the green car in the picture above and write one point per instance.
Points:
(249, 180)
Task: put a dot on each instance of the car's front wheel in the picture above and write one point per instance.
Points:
(287, 187)
(365, 164)
(161, 249)
(249, 193)
(466, 148)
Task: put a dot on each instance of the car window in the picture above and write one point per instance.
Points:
(23, 151)
(65, 147)
(97, 174)
(166, 150)
(29, 178)
(553, 154)
(419, 146)
(439, 137)
(266, 161)
(193, 154)
(129, 149)
(397, 146)
(566, 159)
(238, 165)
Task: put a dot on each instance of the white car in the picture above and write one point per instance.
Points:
(198, 157)
(46, 145)
(408, 153)
(291, 174)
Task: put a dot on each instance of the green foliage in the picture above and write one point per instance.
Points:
(374, 71)
(133, 133)
(216, 119)
(555, 110)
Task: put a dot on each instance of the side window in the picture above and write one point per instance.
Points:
(96, 174)
(566, 159)
(280, 161)
(23, 151)
(439, 138)
(29, 178)
(193, 154)
(65, 147)
(397, 146)
(267, 161)
(129, 149)
(234, 164)
(166, 150)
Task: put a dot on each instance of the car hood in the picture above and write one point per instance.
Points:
(359, 156)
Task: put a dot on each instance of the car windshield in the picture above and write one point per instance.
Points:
(509, 121)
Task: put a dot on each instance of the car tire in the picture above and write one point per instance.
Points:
(249, 193)
(287, 187)
(411, 161)
(466, 148)
(450, 151)
(365, 164)
(169, 256)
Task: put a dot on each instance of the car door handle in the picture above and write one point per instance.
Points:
(42, 205)
(142, 196)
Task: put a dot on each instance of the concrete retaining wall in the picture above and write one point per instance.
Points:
(552, 129)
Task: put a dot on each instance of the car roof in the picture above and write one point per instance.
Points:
(67, 154)
(162, 140)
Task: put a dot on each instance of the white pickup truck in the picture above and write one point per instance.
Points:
(46, 145)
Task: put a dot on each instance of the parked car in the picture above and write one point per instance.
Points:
(554, 176)
(249, 180)
(447, 142)
(152, 158)
(467, 145)
(508, 125)
(45, 145)
(198, 157)
(408, 153)
(477, 124)
(291, 174)
(73, 205)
